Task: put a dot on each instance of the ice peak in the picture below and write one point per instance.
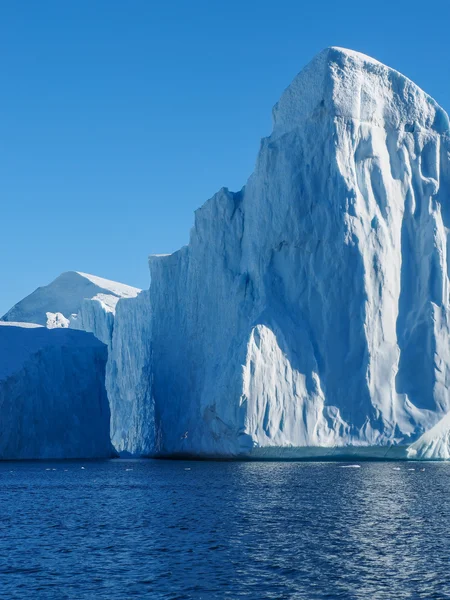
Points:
(64, 296)
(345, 84)
(121, 290)
(334, 51)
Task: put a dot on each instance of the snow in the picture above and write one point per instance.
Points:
(53, 305)
(53, 400)
(55, 320)
(121, 290)
(433, 444)
(309, 313)
(19, 324)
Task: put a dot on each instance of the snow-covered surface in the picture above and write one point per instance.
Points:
(19, 324)
(55, 320)
(53, 400)
(121, 290)
(309, 311)
(433, 444)
(55, 304)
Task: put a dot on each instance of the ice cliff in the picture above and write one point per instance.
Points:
(309, 312)
(53, 401)
(124, 325)
(129, 378)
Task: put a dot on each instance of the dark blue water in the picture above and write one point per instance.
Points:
(160, 529)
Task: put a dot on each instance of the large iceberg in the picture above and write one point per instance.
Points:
(309, 314)
(53, 401)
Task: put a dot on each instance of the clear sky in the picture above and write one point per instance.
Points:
(119, 118)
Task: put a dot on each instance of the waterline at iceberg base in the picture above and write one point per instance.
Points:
(308, 317)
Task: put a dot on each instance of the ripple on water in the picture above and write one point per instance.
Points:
(123, 529)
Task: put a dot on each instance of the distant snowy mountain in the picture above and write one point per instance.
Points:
(53, 401)
(53, 305)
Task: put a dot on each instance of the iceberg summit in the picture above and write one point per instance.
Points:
(309, 314)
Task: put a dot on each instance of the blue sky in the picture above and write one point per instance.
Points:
(118, 119)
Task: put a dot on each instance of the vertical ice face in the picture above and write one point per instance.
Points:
(129, 378)
(199, 298)
(124, 325)
(311, 309)
(53, 400)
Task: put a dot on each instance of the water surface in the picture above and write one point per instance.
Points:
(180, 530)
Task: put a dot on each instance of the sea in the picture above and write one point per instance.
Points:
(176, 530)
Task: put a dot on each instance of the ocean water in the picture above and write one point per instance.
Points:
(178, 530)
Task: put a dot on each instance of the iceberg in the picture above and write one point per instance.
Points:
(62, 303)
(53, 401)
(88, 303)
(309, 313)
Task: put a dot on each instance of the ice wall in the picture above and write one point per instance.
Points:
(310, 310)
(124, 325)
(129, 378)
(53, 400)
